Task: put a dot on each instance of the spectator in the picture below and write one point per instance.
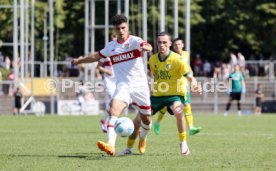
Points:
(17, 101)
(11, 77)
(217, 70)
(233, 61)
(197, 65)
(225, 71)
(81, 72)
(242, 63)
(1, 84)
(80, 96)
(259, 96)
(206, 68)
(7, 63)
(261, 66)
(1, 60)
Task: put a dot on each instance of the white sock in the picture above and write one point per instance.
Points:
(239, 113)
(144, 130)
(111, 134)
(225, 113)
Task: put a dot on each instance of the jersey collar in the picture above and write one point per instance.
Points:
(121, 42)
(164, 58)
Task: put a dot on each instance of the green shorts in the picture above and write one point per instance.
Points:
(158, 103)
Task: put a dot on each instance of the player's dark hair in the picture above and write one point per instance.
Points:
(119, 19)
(164, 33)
(177, 39)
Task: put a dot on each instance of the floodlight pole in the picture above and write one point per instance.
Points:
(162, 15)
(32, 47)
(22, 43)
(106, 21)
(175, 18)
(119, 11)
(26, 46)
(15, 41)
(127, 8)
(188, 27)
(45, 39)
(51, 10)
(145, 31)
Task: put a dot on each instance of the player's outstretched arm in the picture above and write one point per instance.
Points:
(146, 47)
(87, 59)
(108, 72)
(195, 86)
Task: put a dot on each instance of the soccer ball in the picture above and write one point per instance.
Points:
(124, 127)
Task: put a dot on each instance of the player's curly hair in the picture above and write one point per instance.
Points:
(119, 19)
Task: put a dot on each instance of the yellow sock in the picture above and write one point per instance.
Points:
(161, 114)
(130, 142)
(182, 136)
(188, 115)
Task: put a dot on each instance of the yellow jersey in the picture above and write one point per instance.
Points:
(185, 56)
(168, 74)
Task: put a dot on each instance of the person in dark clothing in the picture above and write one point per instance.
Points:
(259, 96)
(17, 101)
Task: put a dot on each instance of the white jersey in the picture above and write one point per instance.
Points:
(109, 80)
(127, 62)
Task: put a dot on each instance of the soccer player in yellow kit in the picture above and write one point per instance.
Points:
(178, 46)
(168, 89)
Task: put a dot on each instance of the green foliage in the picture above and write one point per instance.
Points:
(4, 73)
(217, 27)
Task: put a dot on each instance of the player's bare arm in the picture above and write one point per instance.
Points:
(195, 86)
(87, 59)
(108, 72)
(146, 47)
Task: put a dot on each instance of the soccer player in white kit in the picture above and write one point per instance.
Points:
(125, 54)
(105, 66)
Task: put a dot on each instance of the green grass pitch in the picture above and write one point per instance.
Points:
(69, 143)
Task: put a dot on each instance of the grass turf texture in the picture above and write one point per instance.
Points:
(69, 143)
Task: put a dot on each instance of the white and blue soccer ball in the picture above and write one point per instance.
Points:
(124, 127)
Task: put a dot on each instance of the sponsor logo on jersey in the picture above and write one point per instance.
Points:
(126, 56)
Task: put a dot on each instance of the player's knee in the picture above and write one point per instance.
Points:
(137, 123)
(146, 126)
(146, 119)
(178, 110)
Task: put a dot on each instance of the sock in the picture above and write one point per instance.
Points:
(130, 143)
(144, 130)
(239, 113)
(182, 136)
(239, 106)
(161, 114)
(228, 106)
(188, 116)
(111, 134)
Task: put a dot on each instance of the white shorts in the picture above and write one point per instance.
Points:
(109, 91)
(107, 99)
(138, 97)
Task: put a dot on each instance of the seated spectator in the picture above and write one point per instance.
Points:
(225, 71)
(206, 68)
(197, 65)
(241, 62)
(217, 70)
